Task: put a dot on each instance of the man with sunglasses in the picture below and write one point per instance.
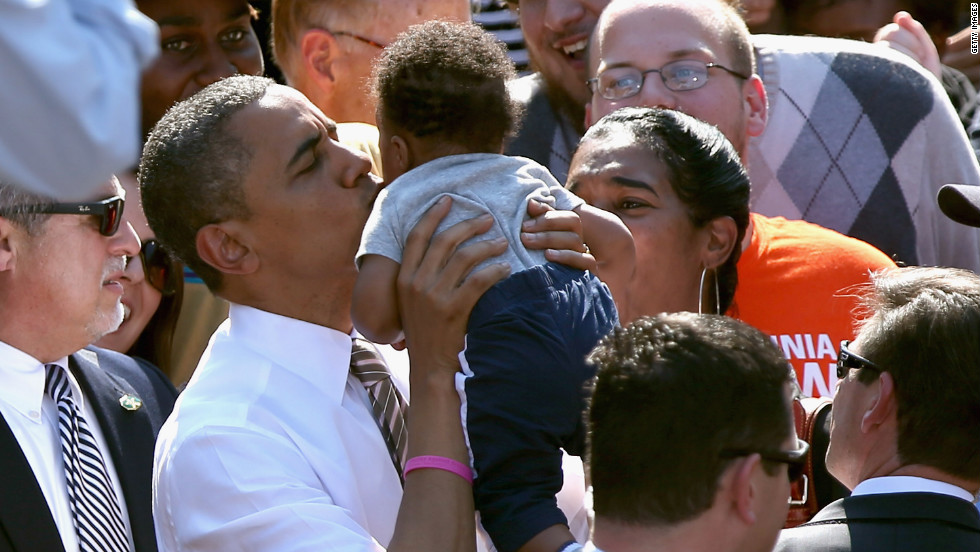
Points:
(692, 445)
(78, 423)
(904, 436)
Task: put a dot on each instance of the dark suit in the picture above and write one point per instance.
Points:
(900, 522)
(104, 376)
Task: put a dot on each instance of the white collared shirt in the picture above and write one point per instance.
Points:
(272, 446)
(33, 419)
(909, 484)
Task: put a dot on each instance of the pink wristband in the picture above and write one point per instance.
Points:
(440, 463)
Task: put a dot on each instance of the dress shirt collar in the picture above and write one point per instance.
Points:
(318, 354)
(909, 484)
(22, 381)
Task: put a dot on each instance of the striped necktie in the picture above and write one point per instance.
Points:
(387, 402)
(94, 504)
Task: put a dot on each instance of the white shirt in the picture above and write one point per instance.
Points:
(909, 484)
(69, 79)
(33, 419)
(272, 446)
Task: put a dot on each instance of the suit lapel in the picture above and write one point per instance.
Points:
(130, 439)
(25, 519)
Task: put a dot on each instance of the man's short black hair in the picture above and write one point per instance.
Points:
(924, 330)
(671, 393)
(448, 81)
(192, 172)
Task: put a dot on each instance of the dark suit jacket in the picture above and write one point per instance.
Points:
(25, 520)
(900, 522)
(536, 133)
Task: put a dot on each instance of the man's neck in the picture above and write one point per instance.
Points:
(40, 343)
(566, 107)
(689, 536)
(323, 308)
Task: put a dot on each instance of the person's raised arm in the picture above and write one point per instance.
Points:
(611, 242)
(436, 292)
(374, 308)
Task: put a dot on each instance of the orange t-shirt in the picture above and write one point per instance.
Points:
(796, 283)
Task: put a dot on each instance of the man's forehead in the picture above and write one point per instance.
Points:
(280, 108)
(277, 123)
(663, 29)
(408, 12)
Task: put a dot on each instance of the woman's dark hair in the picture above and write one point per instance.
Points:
(155, 342)
(703, 169)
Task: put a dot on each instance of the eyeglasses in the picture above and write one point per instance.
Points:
(618, 83)
(365, 40)
(158, 267)
(109, 211)
(847, 359)
(794, 459)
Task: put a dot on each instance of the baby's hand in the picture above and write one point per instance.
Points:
(559, 233)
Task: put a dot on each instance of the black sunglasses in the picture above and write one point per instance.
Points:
(158, 267)
(109, 211)
(795, 460)
(847, 359)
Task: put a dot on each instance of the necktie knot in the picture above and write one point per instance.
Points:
(366, 363)
(56, 384)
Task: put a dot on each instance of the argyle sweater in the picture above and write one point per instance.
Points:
(859, 139)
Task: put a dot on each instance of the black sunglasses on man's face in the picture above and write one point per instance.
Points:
(848, 359)
(109, 211)
(795, 460)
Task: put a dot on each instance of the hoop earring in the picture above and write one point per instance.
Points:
(704, 272)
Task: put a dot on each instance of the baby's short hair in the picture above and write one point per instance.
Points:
(448, 81)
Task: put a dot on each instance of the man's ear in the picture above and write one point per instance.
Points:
(722, 238)
(882, 407)
(757, 105)
(8, 244)
(743, 488)
(219, 246)
(320, 50)
(588, 114)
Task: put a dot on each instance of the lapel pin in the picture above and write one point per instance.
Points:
(130, 402)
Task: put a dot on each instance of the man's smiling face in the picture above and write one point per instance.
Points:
(556, 33)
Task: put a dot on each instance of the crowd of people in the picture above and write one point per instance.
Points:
(406, 300)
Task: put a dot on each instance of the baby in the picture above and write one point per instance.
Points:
(443, 115)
